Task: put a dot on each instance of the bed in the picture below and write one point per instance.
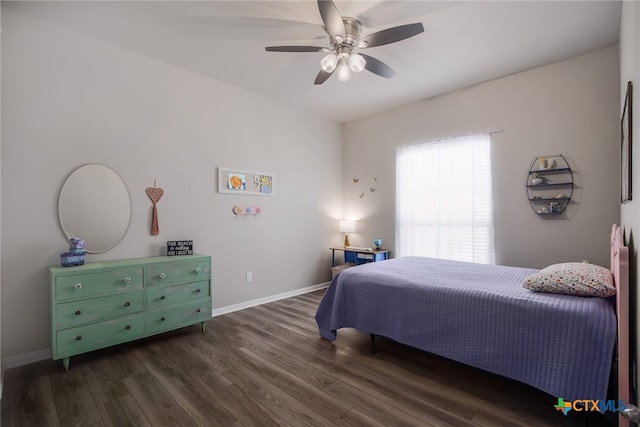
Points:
(482, 316)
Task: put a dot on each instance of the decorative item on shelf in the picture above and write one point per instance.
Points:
(545, 163)
(179, 247)
(347, 226)
(76, 253)
(537, 179)
(247, 211)
(378, 243)
(155, 193)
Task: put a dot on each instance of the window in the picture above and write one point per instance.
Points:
(443, 199)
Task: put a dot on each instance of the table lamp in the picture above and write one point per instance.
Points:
(347, 226)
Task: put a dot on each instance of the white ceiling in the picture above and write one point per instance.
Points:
(464, 43)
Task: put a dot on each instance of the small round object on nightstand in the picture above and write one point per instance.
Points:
(378, 243)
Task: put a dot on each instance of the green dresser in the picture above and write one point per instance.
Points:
(100, 304)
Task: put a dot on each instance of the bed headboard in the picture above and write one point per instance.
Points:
(620, 270)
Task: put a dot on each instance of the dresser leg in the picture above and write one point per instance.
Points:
(204, 325)
(65, 363)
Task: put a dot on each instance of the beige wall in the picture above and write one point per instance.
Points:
(69, 100)
(568, 108)
(630, 71)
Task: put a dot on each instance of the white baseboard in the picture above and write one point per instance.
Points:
(25, 359)
(231, 308)
(37, 356)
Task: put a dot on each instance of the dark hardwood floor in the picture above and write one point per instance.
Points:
(267, 366)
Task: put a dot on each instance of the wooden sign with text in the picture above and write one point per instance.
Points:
(179, 247)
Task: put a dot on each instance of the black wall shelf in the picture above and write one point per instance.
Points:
(549, 184)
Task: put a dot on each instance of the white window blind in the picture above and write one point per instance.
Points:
(443, 199)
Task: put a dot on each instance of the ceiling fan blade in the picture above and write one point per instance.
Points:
(378, 67)
(331, 18)
(392, 35)
(322, 77)
(294, 49)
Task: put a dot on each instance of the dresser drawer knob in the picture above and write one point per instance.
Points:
(77, 286)
(78, 313)
(126, 304)
(78, 338)
(162, 297)
(127, 280)
(127, 327)
(162, 275)
(197, 291)
(162, 319)
(198, 310)
(198, 270)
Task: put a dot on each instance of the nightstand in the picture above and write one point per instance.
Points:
(356, 256)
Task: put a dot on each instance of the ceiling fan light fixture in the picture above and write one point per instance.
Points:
(344, 72)
(356, 62)
(344, 38)
(329, 63)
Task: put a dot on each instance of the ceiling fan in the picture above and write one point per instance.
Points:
(344, 38)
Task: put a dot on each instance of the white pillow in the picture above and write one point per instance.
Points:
(573, 278)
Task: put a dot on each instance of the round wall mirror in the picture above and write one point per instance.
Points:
(94, 205)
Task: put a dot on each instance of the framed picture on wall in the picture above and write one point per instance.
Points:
(235, 181)
(626, 145)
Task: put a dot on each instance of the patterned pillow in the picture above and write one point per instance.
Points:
(573, 278)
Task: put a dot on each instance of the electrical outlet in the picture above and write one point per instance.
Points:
(249, 277)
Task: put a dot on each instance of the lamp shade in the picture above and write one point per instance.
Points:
(347, 226)
(356, 62)
(344, 72)
(329, 63)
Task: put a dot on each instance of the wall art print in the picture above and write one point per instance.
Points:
(235, 181)
(626, 145)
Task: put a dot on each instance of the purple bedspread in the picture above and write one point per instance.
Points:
(479, 315)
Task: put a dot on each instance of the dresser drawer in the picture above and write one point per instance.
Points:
(177, 272)
(161, 296)
(76, 313)
(96, 284)
(173, 316)
(77, 340)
